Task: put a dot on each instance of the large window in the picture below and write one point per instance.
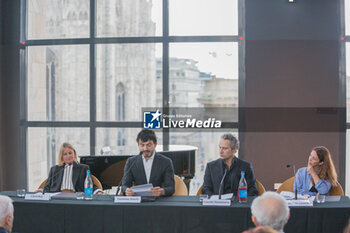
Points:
(91, 66)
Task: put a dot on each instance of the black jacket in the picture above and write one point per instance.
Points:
(54, 182)
(215, 172)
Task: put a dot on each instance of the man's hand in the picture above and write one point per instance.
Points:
(157, 191)
(129, 192)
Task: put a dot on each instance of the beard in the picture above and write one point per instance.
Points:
(149, 154)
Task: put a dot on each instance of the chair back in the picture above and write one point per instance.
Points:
(180, 187)
(260, 186)
(199, 192)
(41, 186)
(94, 180)
(336, 191)
(287, 185)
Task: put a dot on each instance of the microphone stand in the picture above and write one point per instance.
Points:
(54, 176)
(295, 181)
(222, 181)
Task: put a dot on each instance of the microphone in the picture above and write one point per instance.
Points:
(118, 189)
(54, 176)
(222, 181)
(295, 180)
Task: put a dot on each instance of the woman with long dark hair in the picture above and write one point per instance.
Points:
(319, 175)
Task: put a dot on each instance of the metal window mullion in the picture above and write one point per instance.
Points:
(342, 98)
(166, 70)
(130, 40)
(222, 38)
(92, 77)
(81, 124)
(23, 92)
(241, 75)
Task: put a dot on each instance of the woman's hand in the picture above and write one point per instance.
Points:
(310, 169)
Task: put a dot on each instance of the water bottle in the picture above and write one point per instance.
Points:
(88, 186)
(242, 191)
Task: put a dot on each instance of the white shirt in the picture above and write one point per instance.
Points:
(148, 166)
(67, 181)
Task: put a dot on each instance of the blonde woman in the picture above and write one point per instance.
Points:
(319, 175)
(68, 175)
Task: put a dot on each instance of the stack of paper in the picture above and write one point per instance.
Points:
(227, 196)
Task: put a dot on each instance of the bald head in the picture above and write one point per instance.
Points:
(270, 209)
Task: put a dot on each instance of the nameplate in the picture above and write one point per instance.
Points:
(299, 203)
(219, 202)
(37, 196)
(124, 199)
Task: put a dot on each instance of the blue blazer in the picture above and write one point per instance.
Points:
(162, 173)
(215, 171)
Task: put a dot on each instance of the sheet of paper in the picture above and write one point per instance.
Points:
(142, 190)
(64, 195)
(227, 196)
(290, 195)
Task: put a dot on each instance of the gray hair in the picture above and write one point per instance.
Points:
(271, 209)
(6, 207)
(234, 143)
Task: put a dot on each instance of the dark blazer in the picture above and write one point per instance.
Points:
(215, 171)
(162, 173)
(54, 182)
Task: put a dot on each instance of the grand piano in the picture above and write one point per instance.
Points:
(109, 169)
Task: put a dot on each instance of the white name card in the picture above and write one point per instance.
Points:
(124, 199)
(300, 203)
(218, 202)
(37, 196)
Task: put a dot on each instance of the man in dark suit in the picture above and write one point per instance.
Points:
(215, 170)
(149, 167)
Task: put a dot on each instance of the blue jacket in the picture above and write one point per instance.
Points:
(3, 230)
(302, 182)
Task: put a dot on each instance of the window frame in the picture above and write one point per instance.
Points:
(92, 42)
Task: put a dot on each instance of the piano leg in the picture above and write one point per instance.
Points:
(187, 182)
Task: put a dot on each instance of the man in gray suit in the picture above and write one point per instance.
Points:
(149, 167)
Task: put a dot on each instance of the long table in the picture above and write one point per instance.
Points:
(165, 215)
